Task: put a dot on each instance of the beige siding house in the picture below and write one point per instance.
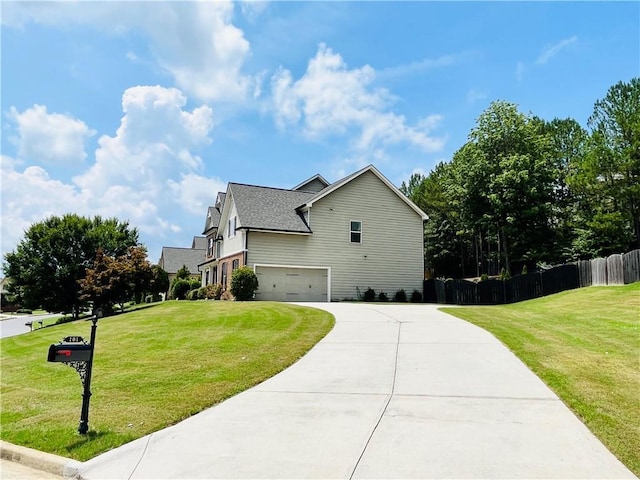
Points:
(318, 241)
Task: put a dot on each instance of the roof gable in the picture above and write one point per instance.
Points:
(313, 184)
(199, 243)
(213, 219)
(370, 168)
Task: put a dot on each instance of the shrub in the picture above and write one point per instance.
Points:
(416, 297)
(180, 288)
(244, 283)
(524, 270)
(504, 274)
(192, 295)
(369, 295)
(400, 296)
(382, 297)
(226, 295)
(64, 319)
(484, 277)
(194, 284)
(212, 291)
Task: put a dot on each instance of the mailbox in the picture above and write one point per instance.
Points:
(65, 352)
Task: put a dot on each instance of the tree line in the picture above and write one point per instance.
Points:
(71, 263)
(523, 191)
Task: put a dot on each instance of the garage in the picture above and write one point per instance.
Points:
(292, 283)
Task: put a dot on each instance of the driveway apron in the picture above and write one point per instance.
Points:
(393, 391)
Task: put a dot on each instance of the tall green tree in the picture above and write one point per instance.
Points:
(569, 147)
(507, 182)
(159, 280)
(54, 254)
(609, 176)
(414, 188)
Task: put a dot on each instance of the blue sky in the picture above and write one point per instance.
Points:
(145, 110)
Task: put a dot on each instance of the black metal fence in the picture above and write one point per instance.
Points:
(614, 270)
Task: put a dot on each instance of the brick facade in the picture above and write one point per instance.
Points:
(225, 268)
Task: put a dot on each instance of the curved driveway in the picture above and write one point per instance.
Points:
(393, 391)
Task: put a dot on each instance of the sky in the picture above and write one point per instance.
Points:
(145, 110)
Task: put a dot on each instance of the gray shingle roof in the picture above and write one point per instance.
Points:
(173, 258)
(212, 220)
(199, 243)
(264, 208)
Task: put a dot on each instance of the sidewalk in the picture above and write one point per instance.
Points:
(394, 391)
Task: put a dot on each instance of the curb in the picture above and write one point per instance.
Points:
(47, 462)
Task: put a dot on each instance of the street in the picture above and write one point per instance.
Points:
(12, 326)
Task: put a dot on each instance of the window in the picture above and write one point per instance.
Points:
(234, 265)
(210, 247)
(215, 274)
(356, 232)
(206, 277)
(218, 244)
(232, 228)
(224, 274)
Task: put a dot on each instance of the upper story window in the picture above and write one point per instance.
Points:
(218, 249)
(232, 227)
(210, 247)
(356, 231)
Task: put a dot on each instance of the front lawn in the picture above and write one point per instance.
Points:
(584, 344)
(153, 367)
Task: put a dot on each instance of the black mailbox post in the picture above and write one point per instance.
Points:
(76, 353)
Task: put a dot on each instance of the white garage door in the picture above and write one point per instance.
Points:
(290, 284)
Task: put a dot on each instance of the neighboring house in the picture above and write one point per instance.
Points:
(317, 241)
(4, 285)
(173, 258)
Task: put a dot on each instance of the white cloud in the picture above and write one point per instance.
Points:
(520, 68)
(551, 51)
(474, 95)
(426, 64)
(30, 195)
(331, 99)
(195, 192)
(147, 173)
(252, 9)
(152, 143)
(196, 42)
(49, 137)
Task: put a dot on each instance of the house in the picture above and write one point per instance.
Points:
(173, 259)
(317, 241)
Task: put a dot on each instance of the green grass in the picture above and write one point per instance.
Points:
(585, 345)
(153, 367)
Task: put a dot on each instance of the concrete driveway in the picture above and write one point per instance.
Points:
(394, 391)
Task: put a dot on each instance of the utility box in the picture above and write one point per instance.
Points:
(69, 352)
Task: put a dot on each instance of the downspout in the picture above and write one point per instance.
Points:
(246, 247)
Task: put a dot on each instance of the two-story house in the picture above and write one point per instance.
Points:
(317, 241)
